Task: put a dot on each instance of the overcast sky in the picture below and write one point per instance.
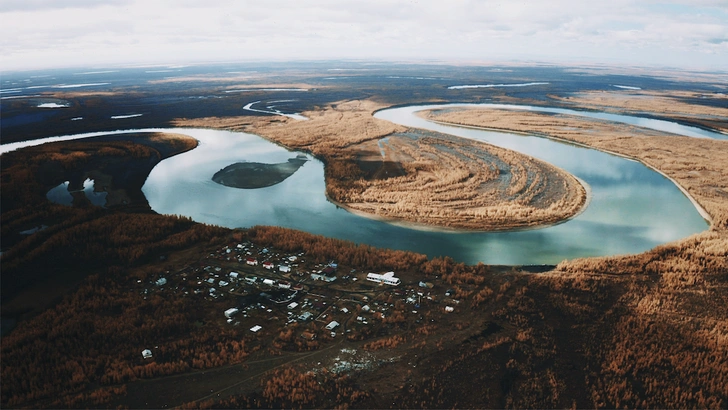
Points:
(67, 33)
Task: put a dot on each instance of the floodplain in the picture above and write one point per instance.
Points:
(87, 289)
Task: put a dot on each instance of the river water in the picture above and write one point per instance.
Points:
(633, 208)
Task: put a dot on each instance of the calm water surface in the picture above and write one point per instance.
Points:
(633, 208)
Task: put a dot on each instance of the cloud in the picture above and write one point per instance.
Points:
(638, 31)
(39, 5)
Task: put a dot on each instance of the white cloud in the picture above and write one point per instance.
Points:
(37, 33)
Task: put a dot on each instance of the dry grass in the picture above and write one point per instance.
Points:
(379, 169)
(700, 166)
(668, 339)
(671, 104)
(450, 182)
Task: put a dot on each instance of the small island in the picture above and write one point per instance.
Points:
(252, 175)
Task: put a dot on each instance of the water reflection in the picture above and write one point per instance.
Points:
(253, 175)
(633, 208)
(62, 194)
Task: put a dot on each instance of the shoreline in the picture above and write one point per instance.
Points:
(450, 230)
(698, 207)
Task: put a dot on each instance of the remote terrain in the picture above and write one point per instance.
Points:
(113, 305)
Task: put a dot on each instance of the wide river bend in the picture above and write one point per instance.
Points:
(632, 209)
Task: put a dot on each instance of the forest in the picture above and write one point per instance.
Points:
(647, 330)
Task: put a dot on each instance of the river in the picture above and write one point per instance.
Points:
(633, 208)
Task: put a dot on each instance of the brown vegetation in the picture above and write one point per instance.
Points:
(663, 341)
(698, 165)
(670, 104)
(647, 331)
(378, 169)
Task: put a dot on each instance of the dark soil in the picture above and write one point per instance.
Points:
(251, 175)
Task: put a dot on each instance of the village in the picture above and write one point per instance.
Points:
(281, 300)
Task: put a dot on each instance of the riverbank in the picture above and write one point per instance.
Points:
(697, 166)
(421, 179)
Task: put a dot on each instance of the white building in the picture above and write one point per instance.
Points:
(387, 278)
(284, 268)
(234, 275)
(231, 312)
(161, 282)
(256, 328)
(333, 325)
(146, 353)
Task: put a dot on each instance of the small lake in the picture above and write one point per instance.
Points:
(633, 208)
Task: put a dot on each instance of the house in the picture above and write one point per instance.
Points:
(305, 316)
(268, 265)
(449, 309)
(234, 275)
(251, 261)
(146, 353)
(293, 258)
(292, 305)
(161, 282)
(297, 287)
(284, 285)
(387, 278)
(256, 328)
(269, 282)
(366, 308)
(231, 312)
(332, 325)
(323, 277)
(284, 268)
(308, 335)
(251, 279)
(222, 283)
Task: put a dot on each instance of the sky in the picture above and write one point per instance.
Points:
(37, 34)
